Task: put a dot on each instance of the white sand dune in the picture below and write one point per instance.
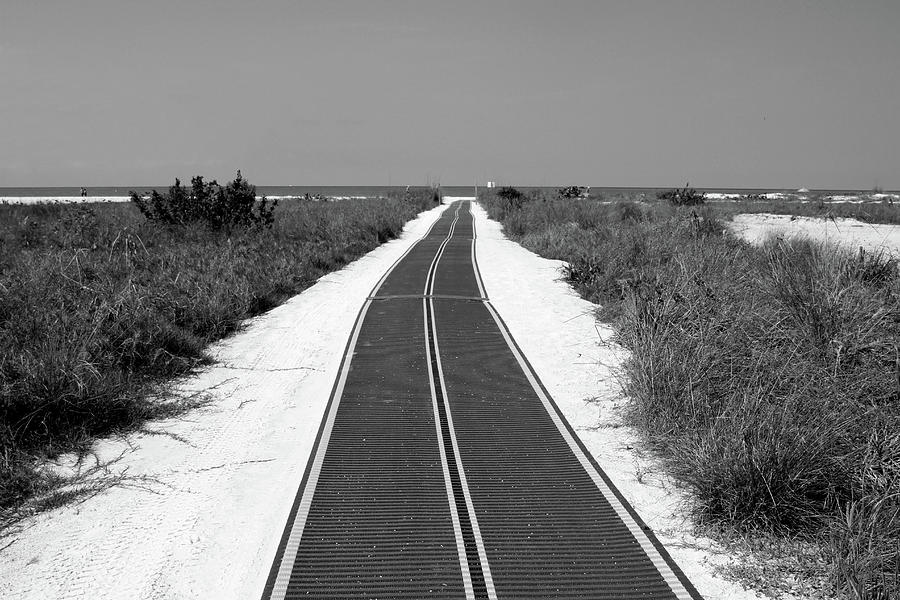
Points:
(849, 233)
(722, 196)
(207, 501)
(859, 198)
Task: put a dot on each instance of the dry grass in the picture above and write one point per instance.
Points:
(872, 211)
(98, 306)
(767, 379)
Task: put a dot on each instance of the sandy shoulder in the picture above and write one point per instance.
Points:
(574, 358)
(206, 497)
(850, 233)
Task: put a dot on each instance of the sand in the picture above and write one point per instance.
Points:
(850, 233)
(805, 197)
(209, 493)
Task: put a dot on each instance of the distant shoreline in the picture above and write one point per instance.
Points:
(28, 196)
(29, 200)
(292, 191)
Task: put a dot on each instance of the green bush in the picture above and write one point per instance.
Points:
(510, 199)
(509, 194)
(208, 203)
(572, 191)
(686, 196)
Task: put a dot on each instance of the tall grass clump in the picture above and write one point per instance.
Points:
(99, 304)
(768, 379)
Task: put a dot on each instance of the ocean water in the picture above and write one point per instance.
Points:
(23, 194)
(370, 191)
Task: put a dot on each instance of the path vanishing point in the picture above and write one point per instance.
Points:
(442, 467)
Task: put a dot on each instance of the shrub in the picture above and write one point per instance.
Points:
(572, 191)
(510, 199)
(509, 194)
(217, 207)
(686, 196)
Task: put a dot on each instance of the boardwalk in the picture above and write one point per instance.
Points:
(442, 467)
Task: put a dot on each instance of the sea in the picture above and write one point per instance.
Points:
(29, 195)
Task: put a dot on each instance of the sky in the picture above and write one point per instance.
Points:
(719, 93)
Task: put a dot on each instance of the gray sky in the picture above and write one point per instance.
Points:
(721, 93)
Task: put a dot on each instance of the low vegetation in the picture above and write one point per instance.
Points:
(686, 196)
(99, 304)
(879, 211)
(208, 204)
(768, 379)
(572, 191)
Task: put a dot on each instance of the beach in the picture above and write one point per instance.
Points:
(200, 501)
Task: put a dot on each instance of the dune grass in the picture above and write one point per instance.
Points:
(98, 306)
(767, 379)
(882, 211)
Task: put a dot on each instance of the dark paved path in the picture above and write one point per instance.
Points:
(443, 469)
